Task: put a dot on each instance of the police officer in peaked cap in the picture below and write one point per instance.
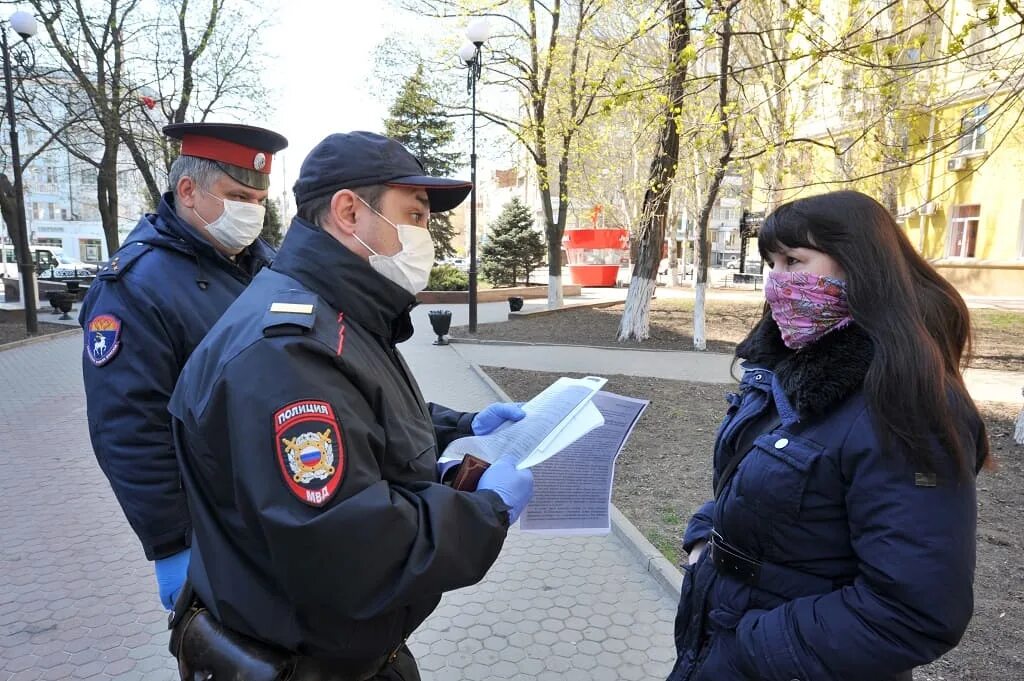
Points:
(323, 536)
(149, 307)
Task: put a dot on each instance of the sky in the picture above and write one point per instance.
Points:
(322, 72)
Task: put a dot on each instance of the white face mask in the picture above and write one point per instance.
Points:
(239, 224)
(410, 267)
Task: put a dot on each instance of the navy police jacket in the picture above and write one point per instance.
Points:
(310, 463)
(145, 312)
(866, 566)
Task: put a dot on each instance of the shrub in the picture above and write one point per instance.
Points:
(447, 278)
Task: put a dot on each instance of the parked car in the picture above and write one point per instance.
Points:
(732, 263)
(68, 268)
(46, 259)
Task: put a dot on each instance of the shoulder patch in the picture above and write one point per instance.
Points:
(102, 338)
(123, 260)
(310, 450)
(292, 311)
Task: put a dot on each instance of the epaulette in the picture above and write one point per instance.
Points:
(290, 313)
(123, 260)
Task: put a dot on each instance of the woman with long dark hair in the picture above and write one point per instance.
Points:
(840, 544)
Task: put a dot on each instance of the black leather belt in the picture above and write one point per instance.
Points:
(782, 580)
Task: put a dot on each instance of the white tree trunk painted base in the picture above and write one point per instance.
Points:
(699, 338)
(1018, 431)
(555, 299)
(636, 318)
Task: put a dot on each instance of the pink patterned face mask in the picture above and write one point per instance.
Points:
(806, 306)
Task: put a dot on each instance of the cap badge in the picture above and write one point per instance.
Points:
(260, 162)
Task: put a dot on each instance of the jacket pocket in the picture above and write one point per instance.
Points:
(774, 477)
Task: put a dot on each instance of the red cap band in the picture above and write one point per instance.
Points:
(226, 152)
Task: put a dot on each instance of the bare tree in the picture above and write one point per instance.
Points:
(207, 60)
(97, 76)
(635, 323)
(726, 122)
(553, 56)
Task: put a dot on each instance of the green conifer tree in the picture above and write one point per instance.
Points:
(513, 246)
(417, 121)
(271, 232)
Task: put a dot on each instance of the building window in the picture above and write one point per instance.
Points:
(86, 176)
(972, 129)
(37, 210)
(50, 212)
(51, 175)
(963, 231)
(91, 250)
(47, 241)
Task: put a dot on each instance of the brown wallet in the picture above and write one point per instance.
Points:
(470, 471)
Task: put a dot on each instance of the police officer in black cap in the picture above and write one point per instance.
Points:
(150, 306)
(323, 537)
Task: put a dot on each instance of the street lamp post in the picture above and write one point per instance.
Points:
(478, 32)
(24, 24)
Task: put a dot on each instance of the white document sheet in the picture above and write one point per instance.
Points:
(555, 418)
(572, 491)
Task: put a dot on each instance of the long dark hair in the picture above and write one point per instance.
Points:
(918, 323)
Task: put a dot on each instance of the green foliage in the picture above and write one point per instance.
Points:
(447, 278)
(271, 232)
(418, 121)
(513, 247)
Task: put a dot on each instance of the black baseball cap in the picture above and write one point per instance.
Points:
(360, 159)
(244, 152)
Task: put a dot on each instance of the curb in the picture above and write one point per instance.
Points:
(523, 314)
(38, 339)
(655, 564)
(486, 341)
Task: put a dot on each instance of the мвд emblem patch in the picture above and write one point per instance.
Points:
(102, 338)
(310, 450)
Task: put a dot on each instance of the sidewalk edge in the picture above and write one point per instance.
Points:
(665, 573)
(38, 339)
(653, 561)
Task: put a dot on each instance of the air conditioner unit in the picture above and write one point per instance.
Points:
(927, 209)
(956, 164)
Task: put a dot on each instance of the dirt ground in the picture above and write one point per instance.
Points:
(664, 473)
(14, 329)
(998, 334)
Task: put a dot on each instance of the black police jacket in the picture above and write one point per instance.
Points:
(309, 459)
(145, 312)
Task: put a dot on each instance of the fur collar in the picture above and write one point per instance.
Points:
(819, 376)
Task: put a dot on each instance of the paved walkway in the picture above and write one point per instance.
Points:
(78, 599)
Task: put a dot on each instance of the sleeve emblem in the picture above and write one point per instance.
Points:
(310, 450)
(102, 338)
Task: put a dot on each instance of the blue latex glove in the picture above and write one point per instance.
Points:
(170, 576)
(488, 420)
(515, 487)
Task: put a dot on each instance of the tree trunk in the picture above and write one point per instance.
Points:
(143, 163)
(9, 210)
(703, 247)
(106, 198)
(636, 316)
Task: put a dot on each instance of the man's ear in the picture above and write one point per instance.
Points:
(344, 205)
(185, 192)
